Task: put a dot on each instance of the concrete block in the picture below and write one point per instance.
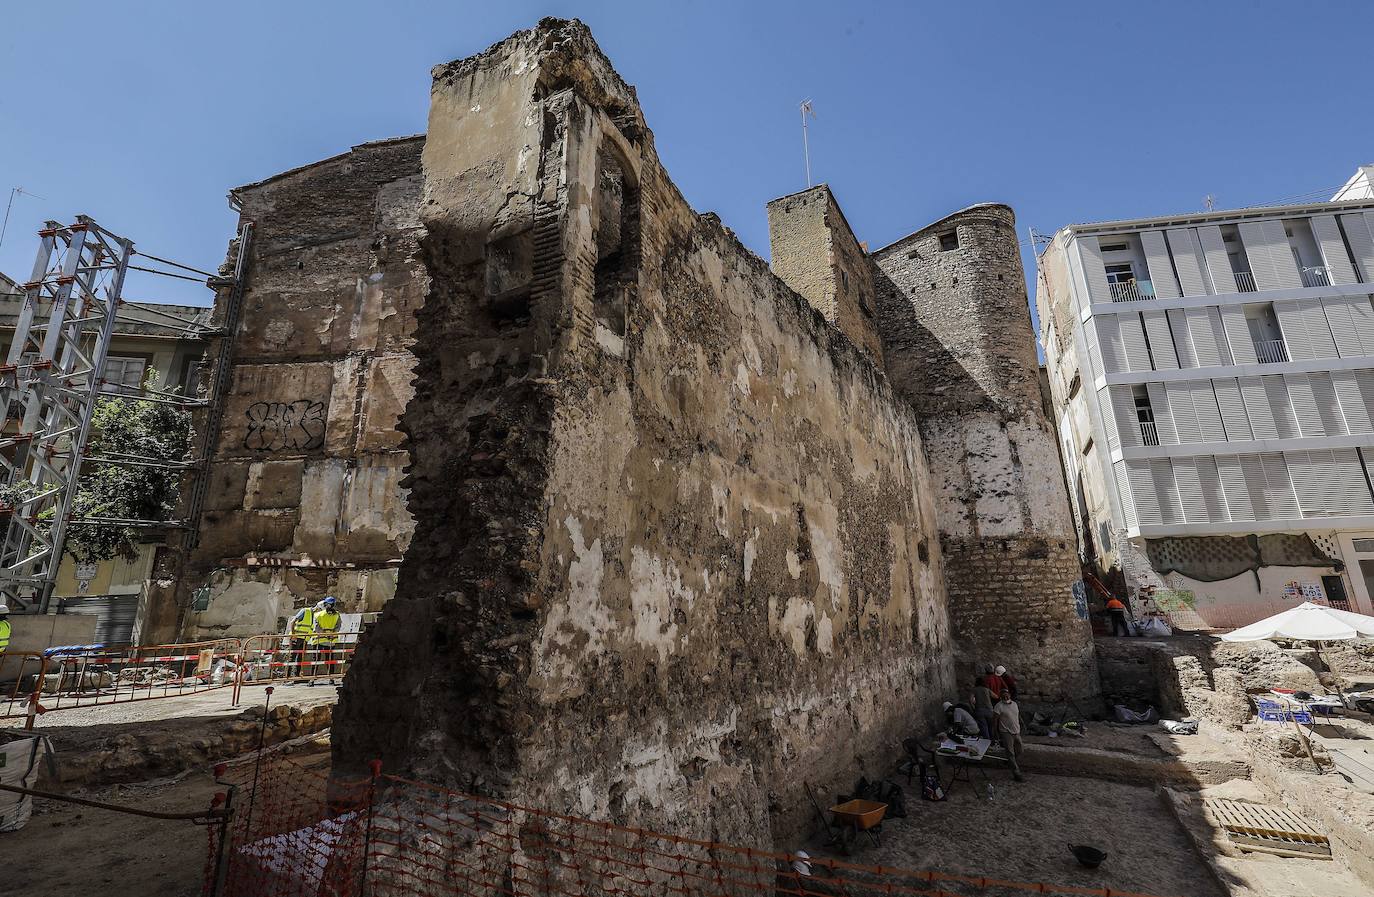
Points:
(227, 486)
(274, 484)
(388, 390)
(276, 409)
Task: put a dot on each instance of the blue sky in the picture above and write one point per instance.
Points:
(146, 115)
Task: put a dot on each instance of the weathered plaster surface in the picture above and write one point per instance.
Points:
(675, 536)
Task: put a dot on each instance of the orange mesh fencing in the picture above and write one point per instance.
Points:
(296, 833)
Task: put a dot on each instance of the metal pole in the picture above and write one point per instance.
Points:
(257, 764)
(806, 146)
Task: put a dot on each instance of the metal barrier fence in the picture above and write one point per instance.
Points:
(266, 659)
(104, 676)
(297, 833)
(21, 675)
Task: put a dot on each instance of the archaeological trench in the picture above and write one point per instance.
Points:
(649, 523)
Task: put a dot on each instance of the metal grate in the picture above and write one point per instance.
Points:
(1267, 829)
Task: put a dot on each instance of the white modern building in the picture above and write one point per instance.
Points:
(1212, 376)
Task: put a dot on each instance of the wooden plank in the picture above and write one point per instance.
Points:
(1257, 826)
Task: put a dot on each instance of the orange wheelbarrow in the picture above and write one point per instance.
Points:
(855, 816)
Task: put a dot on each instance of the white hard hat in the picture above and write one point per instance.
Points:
(4, 608)
(1001, 670)
(946, 705)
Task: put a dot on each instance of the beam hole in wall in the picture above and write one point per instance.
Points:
(617, 241)
(949, 241)
(509, 274)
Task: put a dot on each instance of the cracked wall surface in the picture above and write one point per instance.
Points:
(675, 547)
(304, 496)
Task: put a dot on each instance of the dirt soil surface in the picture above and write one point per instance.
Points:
(1023, 834)
(71, 851)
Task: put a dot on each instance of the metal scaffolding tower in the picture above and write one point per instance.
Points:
(49, 386)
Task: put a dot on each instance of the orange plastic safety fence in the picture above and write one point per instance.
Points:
(298, 834)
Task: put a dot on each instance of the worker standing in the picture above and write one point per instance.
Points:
(5, 628)
(326, 635)
(299, 630)
(1117, 611)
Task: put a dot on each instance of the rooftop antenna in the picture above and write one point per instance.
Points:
(6, 223)
(806, 110)
(1209, 201)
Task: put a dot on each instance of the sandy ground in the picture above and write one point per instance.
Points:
(71, 851)
(1024, 832)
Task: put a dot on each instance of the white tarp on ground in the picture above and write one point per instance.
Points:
(20, 759)
(1307, 621)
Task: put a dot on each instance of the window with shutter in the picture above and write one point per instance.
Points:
(1354, 409)
(1208, 412)
(1163, 412)
(1133, 342)
(1361, 239)
(1342, 325)
(1181, 408)
(1334, 256)
(1293, 324)
(1238, 338)
(1160, 339)
(124, 375)
(1161, 268)
(1304, 405)
(1143, 493)
(1234, 486)
(1178, 326)
(1166, 488)
(1218, 264)
(1109, 340)
(1094, 273)
(1281, 407)
(1123, 491)
(1213, 496)
(1188, 261)
(1257, 408)
(1328, 407)
(1318, 330)
(1190, 492)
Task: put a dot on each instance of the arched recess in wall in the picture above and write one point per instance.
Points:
(616, 275)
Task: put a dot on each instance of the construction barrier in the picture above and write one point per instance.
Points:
(266, 659)
(21, 677)
(296, 833)
(99, 676)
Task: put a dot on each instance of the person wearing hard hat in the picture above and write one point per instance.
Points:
(326, 634)
(5, 628)
(299, 630)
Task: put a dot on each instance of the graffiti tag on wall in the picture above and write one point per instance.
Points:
(1170, 600)
(279, 426)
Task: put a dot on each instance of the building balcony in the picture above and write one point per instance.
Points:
(1315, 276)
(1131, 290)
(1148, 433)
(1271, 351)
(1245, 281)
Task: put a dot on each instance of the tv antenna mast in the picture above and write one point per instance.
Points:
(1209, 201)
(806, 109)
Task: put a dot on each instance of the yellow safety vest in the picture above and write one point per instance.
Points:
(328, 623)
(5, 629)
(305, 626)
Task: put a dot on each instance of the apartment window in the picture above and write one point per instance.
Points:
(1113, 247)
(124, 374)
(1145, 415)
(1122, 273)
(949, 240)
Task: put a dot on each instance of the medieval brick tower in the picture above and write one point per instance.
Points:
(959, 347)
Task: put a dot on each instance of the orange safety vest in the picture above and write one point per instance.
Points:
(1115, 604)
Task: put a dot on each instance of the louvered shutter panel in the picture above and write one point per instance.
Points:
(1281, 406)
(1257, 408)
(1205, 348)
(1361, 238)
(1166, 488)
(1279, 487)
(1181, 409)
(1123, 492)
(1094, 360)
(1238, 336)
(1125, 426)
(1164, 414)
(1353, 408)
(1352, 489)
(1109, 334)
(1238, 505)
(1133, 342)
(1190, 495)
(1218, 264)
(1212, 495)
(1285, 267)
(1257, 251)
(1183, 342)
(1342, 324)
(1161, 269)
(1324, 392)
(1309, 481)
(1304, 405)
(1090, 257)
(1294, 326)
(1161, 340)
(1256, 486)
(1232, 409)
(1362, 317)
(1365, 380)
(1334, 256)
(1143, 493)
(1188, 261)
(1219, 335)
(1319, 337)
(1208, 413)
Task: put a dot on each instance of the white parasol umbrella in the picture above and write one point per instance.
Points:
(1309, 622)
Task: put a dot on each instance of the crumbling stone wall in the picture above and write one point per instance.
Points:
(675, 547)
(304, 495)
(959, 347)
